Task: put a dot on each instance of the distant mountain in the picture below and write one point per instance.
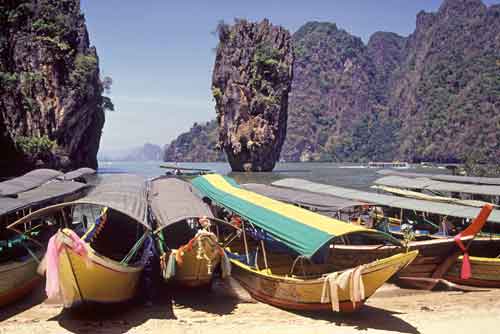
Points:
(147, 152)
(198, 144)
(433, 96)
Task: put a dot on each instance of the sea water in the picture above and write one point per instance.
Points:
(349, 175)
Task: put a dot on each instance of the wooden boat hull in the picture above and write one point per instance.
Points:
(193, 271)
(95, 279)
(485, 272)
(305, 294)
(485, 269)
(432, 253)
(17, 279)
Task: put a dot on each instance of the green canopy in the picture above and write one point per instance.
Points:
(302, 230)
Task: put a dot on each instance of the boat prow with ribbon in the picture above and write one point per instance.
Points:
(99, 253)
(22, 249)
(465, 259)
(187, 234)
(282, 253)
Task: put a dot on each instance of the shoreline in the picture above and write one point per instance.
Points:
(390, 310)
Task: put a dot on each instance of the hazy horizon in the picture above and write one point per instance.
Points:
(160, 55)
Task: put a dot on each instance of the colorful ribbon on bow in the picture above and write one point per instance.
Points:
(472, 229)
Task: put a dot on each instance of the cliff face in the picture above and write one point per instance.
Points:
(434, 95)
(331, 92)
(447, 90)
(251, 81)
(51, 103)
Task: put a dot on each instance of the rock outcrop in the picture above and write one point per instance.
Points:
(51, 103)
(432, 96)
(251, 80)
(197, 144)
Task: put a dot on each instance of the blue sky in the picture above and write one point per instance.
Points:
(160, 52)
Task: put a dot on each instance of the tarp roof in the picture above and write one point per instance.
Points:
(80, 172)
(439, 186)
(427, 197)
(302, 230)
(387, 200)
(495, 181)
(121, 192)
(28, 181)
(173, 200)
(47, 194)
(324, 204)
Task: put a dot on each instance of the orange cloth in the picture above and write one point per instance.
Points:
(472, 229)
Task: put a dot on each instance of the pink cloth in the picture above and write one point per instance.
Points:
(54, 248)
(466, 271)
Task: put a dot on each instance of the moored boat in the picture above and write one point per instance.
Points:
(439, 259)
(86, 261)
(283, 256)
(21, 251)
(185, 233)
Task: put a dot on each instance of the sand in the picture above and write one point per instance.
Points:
(390, 310)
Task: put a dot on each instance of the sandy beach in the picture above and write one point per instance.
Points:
(390, 310)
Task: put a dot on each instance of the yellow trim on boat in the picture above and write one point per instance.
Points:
(306, 217)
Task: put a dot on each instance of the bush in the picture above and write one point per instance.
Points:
(8, 80)
(85, 67)
(216, 92)
(107, 104)
(267, 55)
(35, 145)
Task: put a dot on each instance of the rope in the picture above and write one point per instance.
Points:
(134, 249)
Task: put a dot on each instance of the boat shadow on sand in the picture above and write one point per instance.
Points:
(121, 318)
(201, 299)
(368, 317)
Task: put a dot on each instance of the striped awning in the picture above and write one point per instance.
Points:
(302, 230)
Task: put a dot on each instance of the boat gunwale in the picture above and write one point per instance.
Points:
(369, 268)
(102, 260)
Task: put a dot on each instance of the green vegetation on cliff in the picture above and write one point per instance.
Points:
(198, 144)
(50, 89)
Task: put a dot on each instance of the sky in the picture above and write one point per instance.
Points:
(160, 53)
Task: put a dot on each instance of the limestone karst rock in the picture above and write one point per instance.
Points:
(251, 80)
(51, 103)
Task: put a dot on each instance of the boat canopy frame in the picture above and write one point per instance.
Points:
(303, 231)
(445, 209)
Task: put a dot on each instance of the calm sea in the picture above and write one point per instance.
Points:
(343, 175)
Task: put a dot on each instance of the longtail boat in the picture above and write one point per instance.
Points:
(185, 233)
(283, 257)
(99, 252)
(424, 213)
(446, 177)
(439, 260)
(21, 252)
(488, 193)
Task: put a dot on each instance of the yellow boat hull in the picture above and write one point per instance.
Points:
(305, 294)
(17, 279)
(195, 272)
(95, 279)
(485, 272)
